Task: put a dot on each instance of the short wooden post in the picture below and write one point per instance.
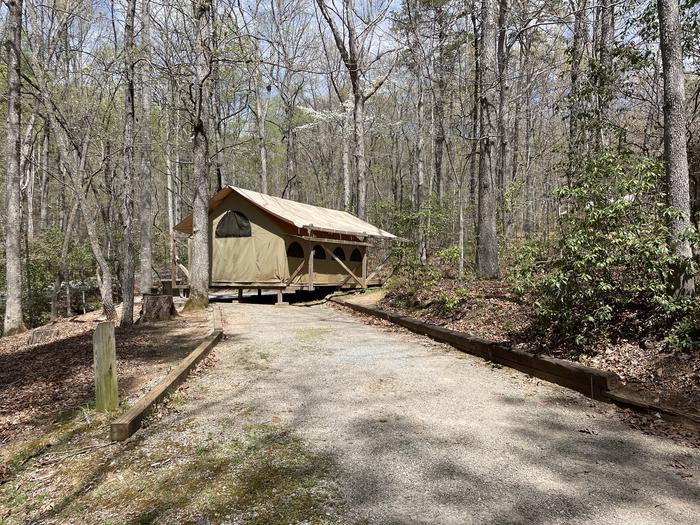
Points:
(280, 300)
(259, 292)
(240, 294)
(105, 355)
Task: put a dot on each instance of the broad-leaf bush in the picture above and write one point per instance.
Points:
(612, 268)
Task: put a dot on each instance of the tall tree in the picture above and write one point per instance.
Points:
(129, 117)
(354, 47)
(487, 240)
(199, 279)
(13, 323)
(675, 148)
(145, 186)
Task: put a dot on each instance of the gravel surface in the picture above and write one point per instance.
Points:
(311, 416)
(426, 434)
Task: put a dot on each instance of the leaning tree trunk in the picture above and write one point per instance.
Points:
(487, 240)
(67, 147)
(199, 281)
(675, 149)
(13, 303)
(128, 277)
(145, 253)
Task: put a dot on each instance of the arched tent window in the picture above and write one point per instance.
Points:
(295, 250)
(356, 255)
(233, 224)
(339, 253)
(319, 252)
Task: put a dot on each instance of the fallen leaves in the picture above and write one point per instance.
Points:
(38, 382)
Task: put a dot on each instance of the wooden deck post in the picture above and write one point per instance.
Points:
(279, 297)
(105, 356)
(311, 269)
(364, 268)
(240, 294)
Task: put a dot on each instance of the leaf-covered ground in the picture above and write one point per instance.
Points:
(43, 385)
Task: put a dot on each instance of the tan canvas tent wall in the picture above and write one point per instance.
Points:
(262, 241)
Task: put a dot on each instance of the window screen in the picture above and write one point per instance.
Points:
(295, 250)
(339, 253)
(356, 255)
(233, 224)
(319, 253)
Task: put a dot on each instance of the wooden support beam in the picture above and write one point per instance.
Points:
(342, 264)
(295, 273)
(310, 270)
(364, 269)
(332, 241)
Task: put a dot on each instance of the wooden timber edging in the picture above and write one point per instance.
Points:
(130, 421)
(589, 381)
(594, 383)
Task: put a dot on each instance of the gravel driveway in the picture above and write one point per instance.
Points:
(311, 415)
(425, 434)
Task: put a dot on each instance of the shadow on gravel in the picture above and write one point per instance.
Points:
(548, 471)
(505, 466)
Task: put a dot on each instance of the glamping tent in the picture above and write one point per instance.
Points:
(262, 242)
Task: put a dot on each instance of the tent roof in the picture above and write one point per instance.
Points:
(297, 214)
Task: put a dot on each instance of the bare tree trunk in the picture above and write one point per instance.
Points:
(63, 265)
(360, 161)
(502, 118)
(347, 117)
(217, 124)
(44, 185)
(606, 27)
(146, 219)
(675, 148)
(422, 243)
(580, 27)
(460, 203)
(128, 277)
(13, 323)
(261, 107)
(291, 162)
(476, 99)
(487, 240)
(199, 279)
(170, 193)
(88, 214)
(30, 170)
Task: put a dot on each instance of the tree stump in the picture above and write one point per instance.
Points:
(42, 335)
(157, 308)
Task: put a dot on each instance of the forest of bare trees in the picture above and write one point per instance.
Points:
(453, 124)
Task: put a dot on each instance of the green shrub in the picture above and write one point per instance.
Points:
(612, 265)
